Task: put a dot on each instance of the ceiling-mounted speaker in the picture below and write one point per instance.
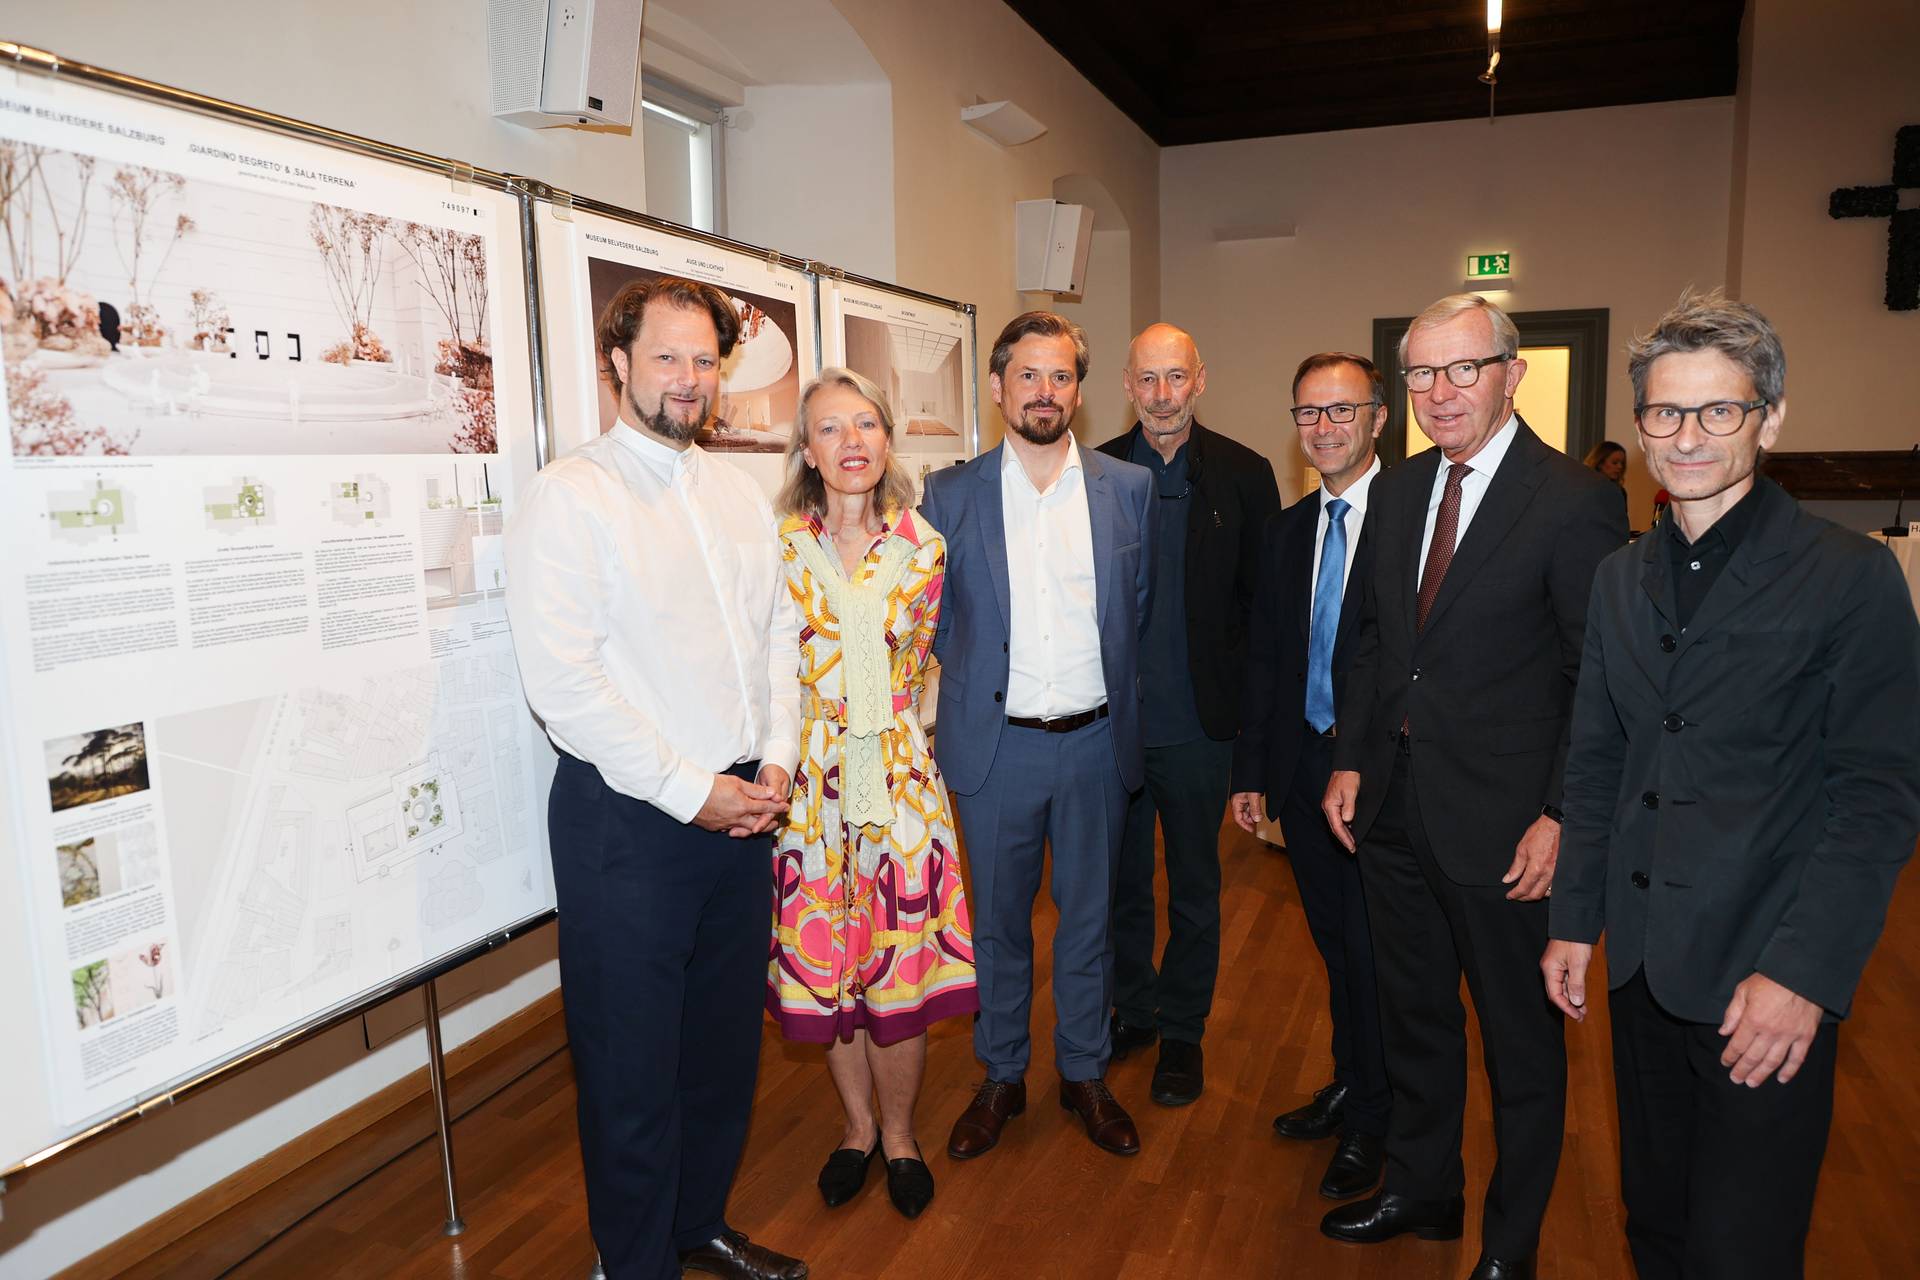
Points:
(1001, 122)
(557, 62)
(1051, 241)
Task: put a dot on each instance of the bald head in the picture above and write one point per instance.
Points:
(1164, 378)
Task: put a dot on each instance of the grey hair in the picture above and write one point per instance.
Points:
(1713, 322)
(803, 492)
(1506, 335)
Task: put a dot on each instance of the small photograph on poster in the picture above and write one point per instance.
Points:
(920, 369)
(87, 767)
(93, 994)
(140, 976)
(146, 313)
(107, 862)
(461, 523)
(759, 382)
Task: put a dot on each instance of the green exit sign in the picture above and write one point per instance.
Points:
(1481, 265)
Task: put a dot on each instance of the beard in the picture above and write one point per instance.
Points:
(1039, 431)
(663, 423)
(1162, 426)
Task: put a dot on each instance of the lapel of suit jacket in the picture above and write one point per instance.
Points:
(1654, 579)
(1298, 563)
(1509, 490)
(1102, 514)
(1421, 469)
(993, 529)
(1757, 561)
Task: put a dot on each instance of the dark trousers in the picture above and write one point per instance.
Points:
(663, 968)
(1044, 789)
(1427, 932)
(1717, 1177)
(1187, 791)
(1328, 878)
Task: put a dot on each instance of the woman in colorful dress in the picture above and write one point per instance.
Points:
(872, 940)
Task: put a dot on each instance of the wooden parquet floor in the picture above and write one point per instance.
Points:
(1213, 1193)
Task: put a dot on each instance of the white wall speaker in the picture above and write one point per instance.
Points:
(555, 62)
(1051, 241)
(1001, 122)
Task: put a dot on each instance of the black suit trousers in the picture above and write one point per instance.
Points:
(1328, 878)
(1718, 1178)
(663, 966)
(1428, 931)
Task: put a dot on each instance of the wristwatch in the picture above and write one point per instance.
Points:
(1549, 811)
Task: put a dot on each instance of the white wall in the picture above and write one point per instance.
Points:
(1617, 208)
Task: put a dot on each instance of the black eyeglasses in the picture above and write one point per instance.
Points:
(1720, 418)
(1308, 415)
(1461, 373)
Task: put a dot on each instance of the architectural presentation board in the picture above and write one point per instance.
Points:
(586, 258)
(265, 752)
(920, 351)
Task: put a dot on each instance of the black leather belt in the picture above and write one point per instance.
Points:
(1060, 724)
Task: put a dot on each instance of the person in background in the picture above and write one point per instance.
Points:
(1742, 792)
(1049, 563)
(1215, 498)
(1306, 615)
(1609, 459)
(871, 941)
(658, 644)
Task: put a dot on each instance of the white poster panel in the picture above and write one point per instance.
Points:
(587, 259)
(921, 355)
(268, 403)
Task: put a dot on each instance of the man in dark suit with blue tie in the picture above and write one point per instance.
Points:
(1304, 622)
(1049, 563)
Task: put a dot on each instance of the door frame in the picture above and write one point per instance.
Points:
(1582, 332)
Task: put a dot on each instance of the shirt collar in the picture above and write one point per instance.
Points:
(665, 462)
(1727, 531)
(1010, 464)
(1487, 461)
(1356, 494)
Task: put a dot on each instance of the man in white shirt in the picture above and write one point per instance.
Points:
(1447, 773)
(1306, 614)
(659, 646)
(1049, 562)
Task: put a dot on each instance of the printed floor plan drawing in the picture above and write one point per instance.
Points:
(100, 513)
(244, 503)
(364, 500)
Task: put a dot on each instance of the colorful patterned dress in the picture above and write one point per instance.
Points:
(871, 929)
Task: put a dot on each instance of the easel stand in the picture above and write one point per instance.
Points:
(437, 1073)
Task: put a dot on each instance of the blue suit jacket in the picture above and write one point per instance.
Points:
(963, 503)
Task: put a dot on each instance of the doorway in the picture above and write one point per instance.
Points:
(1563, 397)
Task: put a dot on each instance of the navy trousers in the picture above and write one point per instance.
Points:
(1062, 790)
(663, 968)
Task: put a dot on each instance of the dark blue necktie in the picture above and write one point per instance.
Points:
(1326, 617)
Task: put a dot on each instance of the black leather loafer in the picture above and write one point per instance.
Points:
(1499, 1269)
(1355, 1168)
(844, 1174)
(1386, 1215)
(734, 1257)
(1319, 1119)
(1179, 1077)
(910, 1184)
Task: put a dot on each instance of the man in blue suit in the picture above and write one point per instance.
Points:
(1049, 561)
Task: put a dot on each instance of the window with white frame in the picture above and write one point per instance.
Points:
(682, 136)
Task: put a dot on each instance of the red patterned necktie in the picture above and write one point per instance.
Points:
(1446, 529)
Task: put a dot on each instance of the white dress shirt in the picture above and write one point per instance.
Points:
(1054, 648)
(1356, 499)
(1473, 486)
(655, 634)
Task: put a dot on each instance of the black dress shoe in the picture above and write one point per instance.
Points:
(910, 1183)
(844, 1174)
(1319, 1119)
(1386, 1215)
(1355, 1167)
(1499, 1269)
(733, 1256)
(1127, 1037)
(1177, 1078)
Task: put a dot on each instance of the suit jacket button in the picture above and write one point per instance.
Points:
(1673, 723)
(1668, 644)
(1416, 673)
(1639, 879)
(1003, 646)
(998, 696)
(1651, 799)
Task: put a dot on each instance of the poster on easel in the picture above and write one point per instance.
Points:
(267, 405)
(587, 257)
(920, 352)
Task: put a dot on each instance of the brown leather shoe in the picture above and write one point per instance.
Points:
(977, 1131)
(1108, 1123)
(733, 1256)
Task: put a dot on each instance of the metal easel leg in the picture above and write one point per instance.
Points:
(599, 1271)
(437, 1073)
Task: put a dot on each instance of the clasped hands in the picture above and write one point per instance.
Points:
(742, 808)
